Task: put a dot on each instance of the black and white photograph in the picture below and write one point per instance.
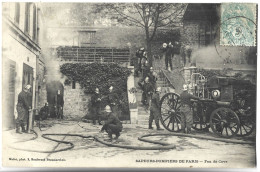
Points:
(129, 84)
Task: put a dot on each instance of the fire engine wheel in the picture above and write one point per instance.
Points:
(199, 122)
(224, 122)
(247, 125)
(170, 114)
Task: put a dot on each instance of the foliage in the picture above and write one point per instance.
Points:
(99, 75)
(149, 16)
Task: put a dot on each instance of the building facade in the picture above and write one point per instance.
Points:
(200, 35)
(22, 61)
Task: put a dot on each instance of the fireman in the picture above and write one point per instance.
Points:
(186, 111)
(112, 124)
(59, 103)
(113, 101)
(152, 77)
(96, 106)
(23, 107)
(155, 109)
(147, 88)
(139, 56)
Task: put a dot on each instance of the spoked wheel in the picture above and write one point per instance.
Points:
(224, 122)
(170, 115)
(247, 124)
(199, 120)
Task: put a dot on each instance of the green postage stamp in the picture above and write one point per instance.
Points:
(238, 24)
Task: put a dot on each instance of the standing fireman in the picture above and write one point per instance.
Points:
(168, 56)
(96, 106)
(23, 107)
(112, 124)
(155, 109)
(186, 111)
(147, 88)
(113, 101)
(59, 103)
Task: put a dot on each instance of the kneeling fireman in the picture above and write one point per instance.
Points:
(112, 124)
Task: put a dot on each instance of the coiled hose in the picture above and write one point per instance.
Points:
(163, 145)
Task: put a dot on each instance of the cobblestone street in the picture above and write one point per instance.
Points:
(88, 152)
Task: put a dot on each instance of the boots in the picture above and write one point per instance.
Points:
(158, 126)
(117, 135)
(23, 128)
(109, 132)
(150, 125)
(18, 129)
(99, 121)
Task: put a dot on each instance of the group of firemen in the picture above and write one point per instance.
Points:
(112, 125)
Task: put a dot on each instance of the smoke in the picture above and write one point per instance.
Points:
(46, 39)
(217, 57)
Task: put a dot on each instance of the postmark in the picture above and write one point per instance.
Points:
(238, 24)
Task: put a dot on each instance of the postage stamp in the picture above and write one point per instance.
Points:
(238, 24)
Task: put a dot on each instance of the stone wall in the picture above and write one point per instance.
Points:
(75, 102)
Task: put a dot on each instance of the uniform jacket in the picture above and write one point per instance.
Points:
(169, 51)
(185, 98)
(147, 87)
(113, 98)
(94, 99)
(24, 100)
(112, 119)
(59, 100)
(155, 103)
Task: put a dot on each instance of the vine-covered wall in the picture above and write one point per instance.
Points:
(91, 76)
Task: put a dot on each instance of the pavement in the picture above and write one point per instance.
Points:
(189, 152)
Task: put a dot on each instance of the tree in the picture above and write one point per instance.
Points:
(148, 16)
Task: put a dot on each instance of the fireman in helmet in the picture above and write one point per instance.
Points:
(59, 103)
(186, 111)
(155, 109)
(112, 124)
(148, 89)
(113, 100)
(23, 107)
(96, 106)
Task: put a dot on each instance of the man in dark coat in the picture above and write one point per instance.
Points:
(152, 75)
(59, 102)
(23, 107)
(155, 109)
(186, 111)
(112, 124)
(113, 101)
(139, 56)
(96, 106)
(44, 113)
(147, 88)
(168, 56)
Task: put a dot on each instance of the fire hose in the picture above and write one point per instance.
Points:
(143, 138)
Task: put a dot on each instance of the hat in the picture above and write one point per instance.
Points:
(110, 88)
(164, 45)
(27, 87)
(108, 108)
(158, 89)
(185, 87)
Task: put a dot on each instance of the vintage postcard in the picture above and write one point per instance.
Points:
(129, 85)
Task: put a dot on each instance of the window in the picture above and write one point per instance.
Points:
(87, 38)
(17, 13)
(30, 20)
